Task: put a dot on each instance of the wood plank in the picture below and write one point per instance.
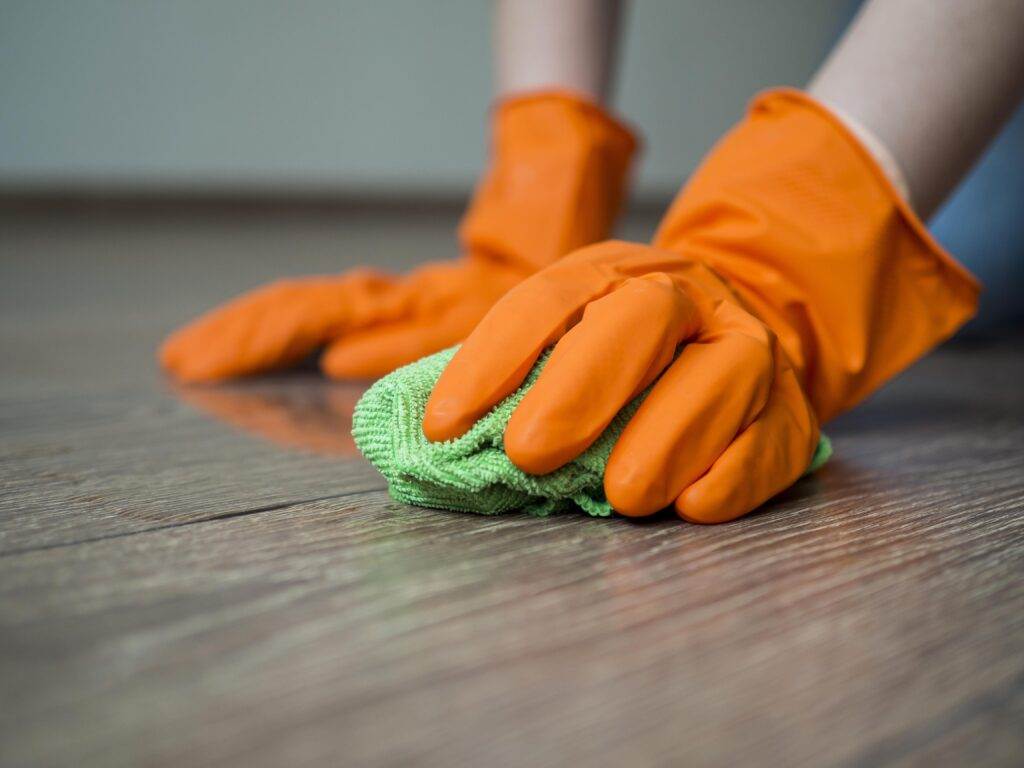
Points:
(80, 468)
(873, 614)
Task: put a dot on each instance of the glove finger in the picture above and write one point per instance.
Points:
(272, 327)
(376, 351)
(713, 390)
(498, 354)
(768, 457)
(623, 342)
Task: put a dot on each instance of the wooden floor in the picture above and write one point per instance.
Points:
(215, 578)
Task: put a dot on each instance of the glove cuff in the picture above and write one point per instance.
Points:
(798, 216)
(885, 159)
(557, 177)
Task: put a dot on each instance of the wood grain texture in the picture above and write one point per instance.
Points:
(188, 582)
(80, 468)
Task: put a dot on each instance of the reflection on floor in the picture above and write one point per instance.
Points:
(302, 412)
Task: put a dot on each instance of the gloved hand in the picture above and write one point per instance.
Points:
(794, 275)
(729, 404)
(557, 176)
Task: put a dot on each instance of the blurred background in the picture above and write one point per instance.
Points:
(348, 96)
(315, 102)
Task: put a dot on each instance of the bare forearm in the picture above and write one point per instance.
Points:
(565, 44)
(932, 79)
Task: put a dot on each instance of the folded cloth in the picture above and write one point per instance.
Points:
(472, 473)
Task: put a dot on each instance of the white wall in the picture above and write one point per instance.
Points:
(385, 95)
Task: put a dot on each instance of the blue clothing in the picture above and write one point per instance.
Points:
(982, 225)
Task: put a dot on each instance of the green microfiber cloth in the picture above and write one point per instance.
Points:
(472, 473)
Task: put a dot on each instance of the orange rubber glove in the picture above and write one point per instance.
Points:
(556, 180)
(793, 274)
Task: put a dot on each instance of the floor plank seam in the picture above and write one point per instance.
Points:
(184, 523)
